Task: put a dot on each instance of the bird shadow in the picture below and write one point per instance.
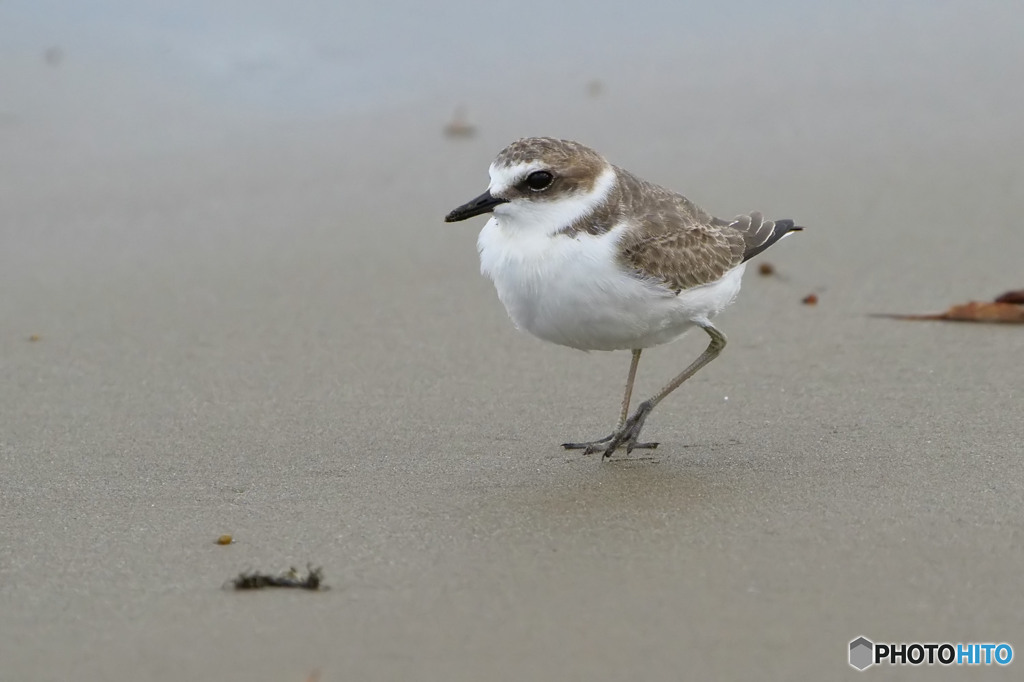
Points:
(587, 493)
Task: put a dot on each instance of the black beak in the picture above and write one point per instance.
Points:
(484, 203)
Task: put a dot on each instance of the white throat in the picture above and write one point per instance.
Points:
(545, 217)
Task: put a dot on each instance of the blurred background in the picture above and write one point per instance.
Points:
(730, 102)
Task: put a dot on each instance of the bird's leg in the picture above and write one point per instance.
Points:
(592, 446)
(628, 396)
(628, 432)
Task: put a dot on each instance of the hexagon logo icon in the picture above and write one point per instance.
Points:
(862, 652)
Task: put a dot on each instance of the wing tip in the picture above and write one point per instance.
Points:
(780, 228)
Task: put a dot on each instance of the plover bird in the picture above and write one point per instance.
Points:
(587, 255)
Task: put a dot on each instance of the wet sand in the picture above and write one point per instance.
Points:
(279, 339)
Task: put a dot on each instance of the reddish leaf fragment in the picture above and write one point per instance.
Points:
(810, 299)
(1012, 297)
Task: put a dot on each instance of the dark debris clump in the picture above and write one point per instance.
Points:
(253, 580)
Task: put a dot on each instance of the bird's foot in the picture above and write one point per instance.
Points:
(589, 447)
(628, 435)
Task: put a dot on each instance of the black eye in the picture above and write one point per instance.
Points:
(538, 180)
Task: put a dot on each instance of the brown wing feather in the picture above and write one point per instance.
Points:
(686, 257)
(677, 243)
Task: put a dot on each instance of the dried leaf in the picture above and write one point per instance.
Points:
(974, 311)
(810, 299)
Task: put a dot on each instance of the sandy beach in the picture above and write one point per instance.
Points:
(272, 334)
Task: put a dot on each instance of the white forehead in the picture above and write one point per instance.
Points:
(504, 177)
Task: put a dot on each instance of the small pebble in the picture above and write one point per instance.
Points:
(459, 126)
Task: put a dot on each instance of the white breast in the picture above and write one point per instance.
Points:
(571, 291)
